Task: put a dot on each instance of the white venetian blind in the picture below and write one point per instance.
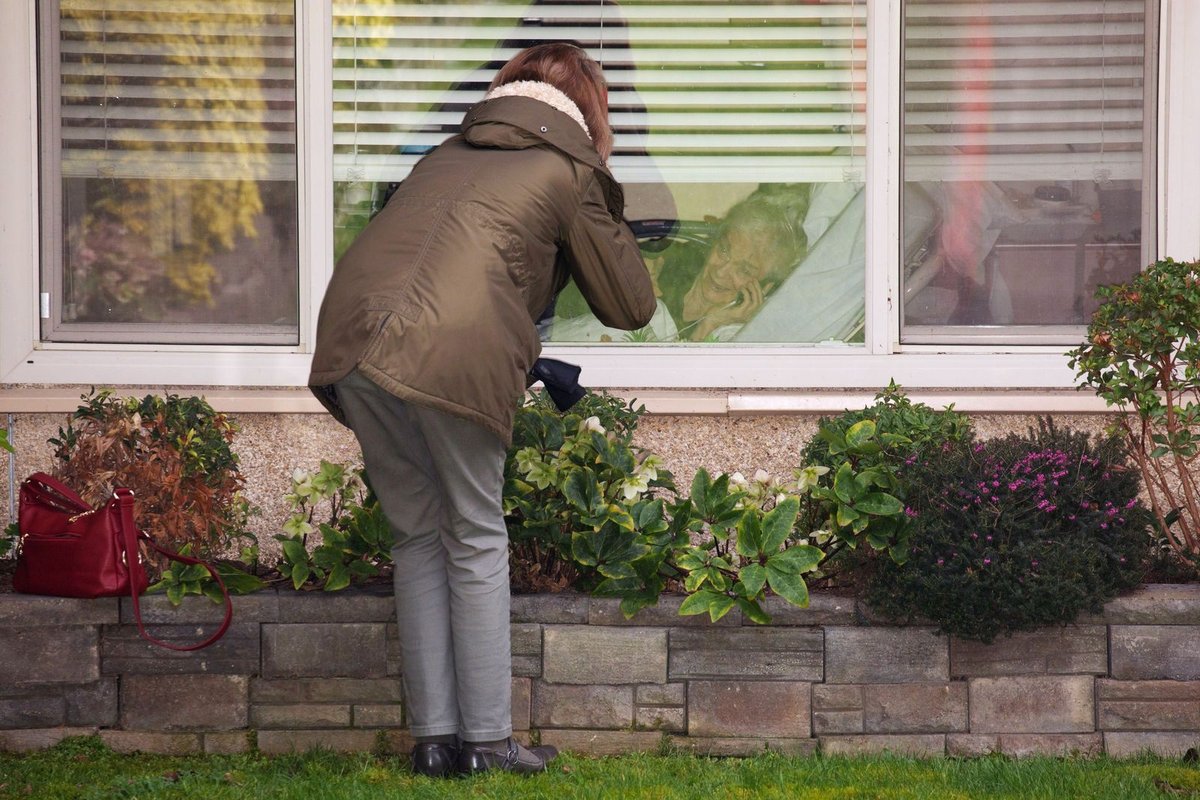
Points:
(1024, 90)
(699, 90)
(171, 89)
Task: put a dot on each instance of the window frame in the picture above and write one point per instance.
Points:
(24, 359)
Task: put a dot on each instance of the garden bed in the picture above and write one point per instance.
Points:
(299, 670)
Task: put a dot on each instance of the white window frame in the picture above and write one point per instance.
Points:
(26, 360)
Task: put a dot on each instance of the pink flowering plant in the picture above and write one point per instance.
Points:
(1016, 533)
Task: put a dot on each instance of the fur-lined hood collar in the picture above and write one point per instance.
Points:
(550, 95)
(514, 120)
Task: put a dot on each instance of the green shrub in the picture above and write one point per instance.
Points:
(355, 538)
(876, 446)
(1143, 355)
(1016, 533)
(582, 503)
(175, 453)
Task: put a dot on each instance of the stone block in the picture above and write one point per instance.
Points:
(972, 745)
(603, 743)
(837, 697)
(786, 654)
(395, 660)
(1154, 652)
(24, 610)
(823, 609)
(184, 702)
(526, 640)
(227, 744)
(124, 652)
(566, 706)
(194, 610)
(1077, 649)
(729, 746)
(379, 716)
(885, 655)
(35, 711)
(660, 719)
(49, 654)
(923, 745)
(837, 722)
(343, 740)
(324, 650)
(522, 703)
(1032, 704)
(1123, 744)
(398, 741)
(171, 744)
(357, 604)
(604, 655)
(756, 709)
(665, 614)
(325, 690)
(1155, 604)
(23, 740)
(661, 694)
(1149, 705)
(92, 703)
(1023, 745)
(300, 716)
(915, 708)
(837, 709)
(564, 608)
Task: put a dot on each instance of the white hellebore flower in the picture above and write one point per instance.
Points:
(593, 424)
(737, 479)
(809, 477)
(762, 476)
(635, 485)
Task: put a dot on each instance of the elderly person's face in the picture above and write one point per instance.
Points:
(740, 257)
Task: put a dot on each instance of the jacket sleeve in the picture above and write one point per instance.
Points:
(606, 264)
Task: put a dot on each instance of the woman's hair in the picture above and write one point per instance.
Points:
(569, 69)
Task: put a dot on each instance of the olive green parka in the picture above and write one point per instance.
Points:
(436, 300)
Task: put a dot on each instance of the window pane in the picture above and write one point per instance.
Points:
(1023, 158)
(169, 173)
(739, 138)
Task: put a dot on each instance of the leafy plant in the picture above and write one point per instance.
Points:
(9, 538)
(4, 443)
(355, 538)
(174, 453)
(869, 451)
(1142, 354)
(1016, 533)
(181, 580)
(747, 544)
(581, 501)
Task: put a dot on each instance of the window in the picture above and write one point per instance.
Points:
(739, 138)
(1024, 154)
(1050, 141)
(169, 171)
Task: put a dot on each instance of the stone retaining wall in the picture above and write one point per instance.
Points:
(300, 670)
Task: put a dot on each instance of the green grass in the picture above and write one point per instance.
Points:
(84, 769)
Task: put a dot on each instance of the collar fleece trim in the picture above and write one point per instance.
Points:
(550, 95)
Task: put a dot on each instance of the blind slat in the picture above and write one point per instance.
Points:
(152, 89)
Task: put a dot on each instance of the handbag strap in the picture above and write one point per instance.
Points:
(51, 492)
(130, 536)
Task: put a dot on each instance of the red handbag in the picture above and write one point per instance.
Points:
(69, 549)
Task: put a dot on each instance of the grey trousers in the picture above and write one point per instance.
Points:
(439, 479)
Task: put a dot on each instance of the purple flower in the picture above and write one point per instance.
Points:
(987, 561)
(941, 561)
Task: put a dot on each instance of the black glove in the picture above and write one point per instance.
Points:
(561, 381)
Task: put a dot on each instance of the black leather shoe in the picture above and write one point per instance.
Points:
(434, 759)
(515, 758)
